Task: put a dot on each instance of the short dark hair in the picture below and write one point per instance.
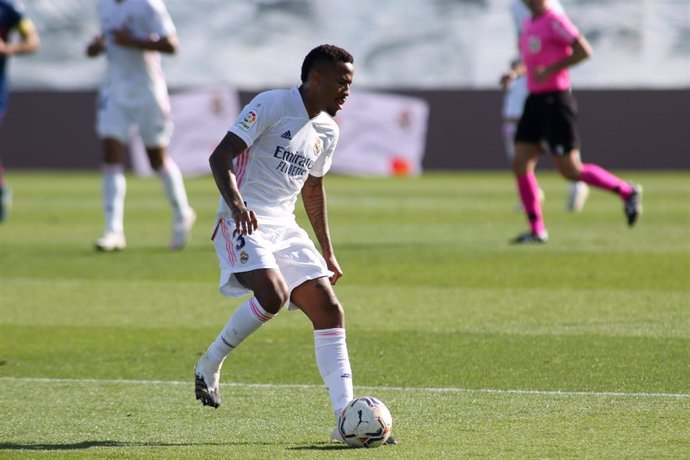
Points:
(324, 54)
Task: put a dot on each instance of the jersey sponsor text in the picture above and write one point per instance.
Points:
(292, 163)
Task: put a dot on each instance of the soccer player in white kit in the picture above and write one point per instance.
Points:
(514, 102)
(133, 34)
(281, 145)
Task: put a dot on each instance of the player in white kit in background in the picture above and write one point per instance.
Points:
(134, 93)
(281, 145)
(514, 102)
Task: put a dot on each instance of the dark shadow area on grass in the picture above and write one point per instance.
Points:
(90, 444)
(325, 447)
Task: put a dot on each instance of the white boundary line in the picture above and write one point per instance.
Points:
(384, 388)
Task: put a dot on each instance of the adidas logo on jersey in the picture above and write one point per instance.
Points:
(286, 135)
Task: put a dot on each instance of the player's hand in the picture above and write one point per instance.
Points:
(245, 220)
(123, 37)
(507, 78)
(4, 48)
(541, 73)
(333, 266)
(96, 47)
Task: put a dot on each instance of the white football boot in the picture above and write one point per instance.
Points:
(111, 241)
(182, 230)
(577, 195)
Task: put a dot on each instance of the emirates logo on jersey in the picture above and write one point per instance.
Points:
(292, 163)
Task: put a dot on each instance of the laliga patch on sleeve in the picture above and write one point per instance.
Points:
(248, 120)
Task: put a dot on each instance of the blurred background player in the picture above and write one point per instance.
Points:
(12, 19)
(549, 45)
(280, 146)
(133, 34)
(514, 101)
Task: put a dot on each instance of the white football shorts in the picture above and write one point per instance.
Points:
(514, 98)
(286, 248)
(114, 119)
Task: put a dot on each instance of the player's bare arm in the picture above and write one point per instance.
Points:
(168, 44)
(29, 40)
(582, 50)
(517, 69)
(96, 46)
(314, 199)
(221, 162)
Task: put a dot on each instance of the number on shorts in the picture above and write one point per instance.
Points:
(240, 240)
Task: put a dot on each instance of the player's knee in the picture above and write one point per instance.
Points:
(571, 176)
(335, 313)
(519, 166)
(570, 173)
(326, 315)
(156, 157)
(272, 300)
(156, 163)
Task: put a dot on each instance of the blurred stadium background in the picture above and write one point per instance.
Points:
(634, 94)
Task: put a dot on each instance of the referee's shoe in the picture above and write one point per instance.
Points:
(633, 205)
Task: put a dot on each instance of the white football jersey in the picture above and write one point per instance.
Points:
(284, 147)
(131, 71)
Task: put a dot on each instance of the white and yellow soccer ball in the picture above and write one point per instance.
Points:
(365, 422)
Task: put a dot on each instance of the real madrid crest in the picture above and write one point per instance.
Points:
(317, 146)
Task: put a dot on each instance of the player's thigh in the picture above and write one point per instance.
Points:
(318, 301)
(268, 286)
(113, 151)
(156, 157)
(569, 164)
(526, 157)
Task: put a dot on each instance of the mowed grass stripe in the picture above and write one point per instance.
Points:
(359, 387)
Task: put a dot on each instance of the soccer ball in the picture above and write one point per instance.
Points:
(365, 422)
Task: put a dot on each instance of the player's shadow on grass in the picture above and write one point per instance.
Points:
(327, 447)
(90, 444)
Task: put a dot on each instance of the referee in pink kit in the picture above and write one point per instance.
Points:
(549, 45)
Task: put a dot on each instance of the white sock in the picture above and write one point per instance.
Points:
(248, 317)
(114, 188)
(171, 177)
(334, 365)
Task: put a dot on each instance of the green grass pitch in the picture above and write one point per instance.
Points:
(577, 348)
